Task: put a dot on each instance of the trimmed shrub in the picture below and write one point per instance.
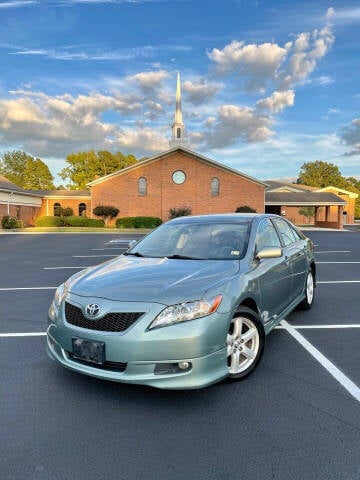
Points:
(245, 209)
(63, 212)
(67, 212)
(179, 212)
(105, 212)
(138, 222)
(8, 222)
(83, 222)
(49, 222)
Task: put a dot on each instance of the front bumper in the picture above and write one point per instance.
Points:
(204, 370)
(200, 342)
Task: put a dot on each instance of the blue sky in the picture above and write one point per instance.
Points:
(267, 85)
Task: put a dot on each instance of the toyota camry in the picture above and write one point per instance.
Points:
(188, 305)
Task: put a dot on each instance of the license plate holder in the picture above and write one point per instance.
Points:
(88, 350)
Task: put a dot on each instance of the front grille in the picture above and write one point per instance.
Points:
(111, 322)
(112, 366)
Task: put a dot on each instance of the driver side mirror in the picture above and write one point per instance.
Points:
(269, 252)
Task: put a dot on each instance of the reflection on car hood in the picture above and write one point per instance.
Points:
(161, 280)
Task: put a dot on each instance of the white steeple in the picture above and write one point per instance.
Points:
(178, 128)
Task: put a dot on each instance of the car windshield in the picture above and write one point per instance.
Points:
(196, 241)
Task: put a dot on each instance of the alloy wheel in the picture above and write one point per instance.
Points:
(242, 344)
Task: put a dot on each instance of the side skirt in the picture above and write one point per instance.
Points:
(275, 321)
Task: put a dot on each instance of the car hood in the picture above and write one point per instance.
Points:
(161, 280)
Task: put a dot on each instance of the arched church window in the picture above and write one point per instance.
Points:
(142, 186)
(178, 133)
(82, 209)
(57, 207)
(215, 186)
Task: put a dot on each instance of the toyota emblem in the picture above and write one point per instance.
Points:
(93, 309)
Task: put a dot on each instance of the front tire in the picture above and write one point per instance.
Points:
(245, 343)
(306, 304)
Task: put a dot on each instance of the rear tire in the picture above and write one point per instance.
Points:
(245, 343)
(306, 304)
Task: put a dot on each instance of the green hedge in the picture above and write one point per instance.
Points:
(83, 222)
(138, 222)
(69, 222)
(8, 222)
(49, 222)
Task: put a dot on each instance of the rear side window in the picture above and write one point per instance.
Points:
(287, 233)
(266, 235)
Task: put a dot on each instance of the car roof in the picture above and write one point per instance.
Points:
(221, 218)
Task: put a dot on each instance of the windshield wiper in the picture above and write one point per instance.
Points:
(182, 257)
(135, 254)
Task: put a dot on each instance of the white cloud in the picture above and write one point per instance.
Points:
(56, 125)
(232, 124)
(322, 80)
(76, 54)
(270, 64)
(147, 138)
(154, 110)
(18, 3)
(330, 12)
(304, 54)
(149, 80)
(277, 101)
(351, 137)
(258, 61)
(200, 91)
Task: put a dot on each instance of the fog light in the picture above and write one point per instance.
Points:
(171, 368)
(184, 365)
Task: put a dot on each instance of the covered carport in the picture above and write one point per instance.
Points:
(289, 203)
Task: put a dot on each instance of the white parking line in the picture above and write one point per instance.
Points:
(27, 288)
(336, 282)
(336, 262)
(305, 327)
(350, 386)
(332, 251)
(30, 334)
(60, 268)
(110, 248)
(93, 256)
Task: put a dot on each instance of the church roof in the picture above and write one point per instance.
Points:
(280, 186)
(302, 198)
(62, 193)
(167, 153)
(7, 186)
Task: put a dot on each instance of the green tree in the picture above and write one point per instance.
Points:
(308, 212)
(83, 167)
(320, 174)
(26, 171)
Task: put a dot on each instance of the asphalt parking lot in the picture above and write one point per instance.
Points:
(296, 417)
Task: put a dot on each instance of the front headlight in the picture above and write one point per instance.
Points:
(59, 295)
(182, 312)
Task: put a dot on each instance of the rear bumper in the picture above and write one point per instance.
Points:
(204, 371)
